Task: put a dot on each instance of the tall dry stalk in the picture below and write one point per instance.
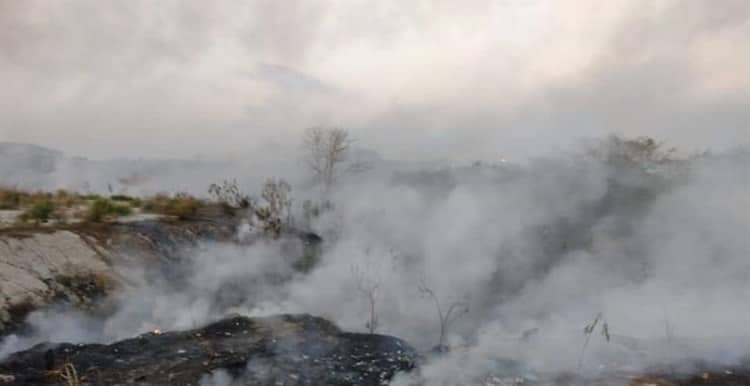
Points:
(70, 375)
(669, 334)
(455, 311)
(368, 286)
(588, 331)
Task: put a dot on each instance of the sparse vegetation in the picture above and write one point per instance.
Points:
(10, 198)
(14, 199)
(229, 195)
(368, 286)
(588, 331)
(455, 311)
(641, 152)
(102, 208)
(62, 205)
(66, 199)
(271, 213)
(274, 210)
(181, 205)
(310, 211)
(69, 375)
(122, 197)
(40, 211)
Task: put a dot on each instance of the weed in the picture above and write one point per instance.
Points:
(40, 211)
(182, 205)
(103, 208)
(70, 375)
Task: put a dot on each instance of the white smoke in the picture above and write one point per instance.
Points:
(661, 254)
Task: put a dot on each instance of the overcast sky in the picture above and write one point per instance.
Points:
(411, 79)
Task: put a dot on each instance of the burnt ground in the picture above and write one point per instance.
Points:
(285, 349)
(279, 350)
(735, 377)
(709, 376)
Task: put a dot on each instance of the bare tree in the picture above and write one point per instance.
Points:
(454, 311)
(326, 151)
(368, 286)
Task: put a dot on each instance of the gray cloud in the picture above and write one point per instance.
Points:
(423, 80)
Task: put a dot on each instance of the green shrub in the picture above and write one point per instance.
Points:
(103, 208)
(41, 210)
(121, 197)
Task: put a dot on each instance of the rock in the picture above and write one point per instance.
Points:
(35, 268)
(79, 263)
(285, 349)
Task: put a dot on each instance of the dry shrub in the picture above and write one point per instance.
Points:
(229, 195)
(182, 205)
(274, 210)
(66, 199)
(640, 152)
(69, 375)
(10, 198)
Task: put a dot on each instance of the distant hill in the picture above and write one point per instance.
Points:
(27, 158)
(32, 167)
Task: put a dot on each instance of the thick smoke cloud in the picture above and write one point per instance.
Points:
(543, 247)
(420, 80)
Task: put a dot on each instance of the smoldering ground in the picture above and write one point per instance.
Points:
(533, 253)
(659, 252)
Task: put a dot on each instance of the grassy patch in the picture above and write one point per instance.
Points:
(122, 197)
(10, 199)
(40, 211)
(102, 208)
(181, 205)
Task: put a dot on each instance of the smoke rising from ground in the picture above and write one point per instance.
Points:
(660, 250)
(542, 243)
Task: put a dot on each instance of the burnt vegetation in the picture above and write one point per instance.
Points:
(638, 172)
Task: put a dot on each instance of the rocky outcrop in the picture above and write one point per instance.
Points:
(279, 350)
(77, 264)
(39, 267)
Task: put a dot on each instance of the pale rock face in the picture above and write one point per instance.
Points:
(30, 266)
(42, 265)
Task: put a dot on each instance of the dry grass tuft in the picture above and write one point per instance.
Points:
(181, 205)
